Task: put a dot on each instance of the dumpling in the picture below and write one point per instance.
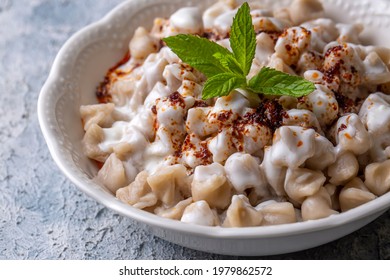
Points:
(138, 193)
(264, 50)
(122, 138)
(276, 213)
(210, 184)
(100, 114)
(375, 115)
(324, 155)
(376, 71)
(292, 43)
(317, 206)
(303, 118)
(199, 213)
(323, 31)
(174, 75)
(222, 145)
(354, 194)
(162, 145)
(187, 20)
(243, 172)
(334, 192)
(304, 10)
(241, 214)
(198, 124)
(344, 169)
(112, 174)
(274, 174)
(227, 108)
(171, 111)
(349, 33)
(195, 152)
(167, 183)
(266, 23)
(251, 136)
(308, 61)
(292, 146)
(142, 44)
(377, 176)
(92, 138)
(214, 11)
(277, 63)
(175, 212)
(190, 88)
(347, 59)
(322, 102)
(301, 183)
(351, 135)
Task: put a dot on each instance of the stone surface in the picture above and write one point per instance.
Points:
(42, 214)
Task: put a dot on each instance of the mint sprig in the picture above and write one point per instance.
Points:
(198, 52)
(227, 70)
(229, 62)
(222, 84)
(272, 82)
(243, 38)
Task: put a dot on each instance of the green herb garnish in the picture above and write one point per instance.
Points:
(227, 70)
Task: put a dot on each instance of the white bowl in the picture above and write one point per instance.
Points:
(82, 63)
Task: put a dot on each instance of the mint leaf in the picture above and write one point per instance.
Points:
(197, 52)
(227, 71)
(229, 62)
(272, 82)
(243, 38)
(222, 84)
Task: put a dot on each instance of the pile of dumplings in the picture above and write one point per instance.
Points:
(240, 161)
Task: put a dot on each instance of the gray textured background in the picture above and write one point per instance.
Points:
(42, 214)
